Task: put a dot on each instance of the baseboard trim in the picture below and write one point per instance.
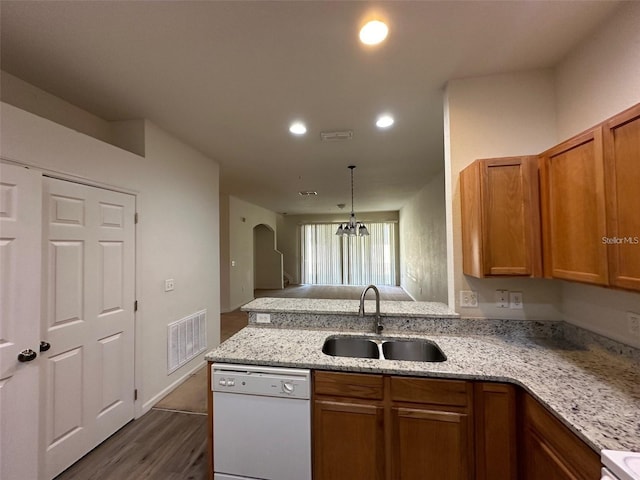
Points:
(148, 405)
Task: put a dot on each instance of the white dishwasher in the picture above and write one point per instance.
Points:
(261, 422)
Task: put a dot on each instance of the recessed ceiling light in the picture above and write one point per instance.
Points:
(384, 121)
(373, 32)
(298, 128)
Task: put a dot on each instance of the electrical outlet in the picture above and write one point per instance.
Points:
(515, 300)
(468, 298)
(633, 323)
(169, 284)
(502, 298)
(263, 318)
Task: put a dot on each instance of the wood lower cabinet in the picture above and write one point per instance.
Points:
(430, 444)
(348, 426)
(573, 210)
(549, 450)
(622, 173)
(431, 428)
(495, 426)
(501, 218)
(348, 440)
(387, 427)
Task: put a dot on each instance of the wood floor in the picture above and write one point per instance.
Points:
(160, 445)
(167, 445)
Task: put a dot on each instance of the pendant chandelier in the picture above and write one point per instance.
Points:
(352, 228)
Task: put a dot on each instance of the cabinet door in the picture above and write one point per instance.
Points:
(550, 450)
(573, 206)
(348, 441)
(541, 462)
(495, 421)
(622, 155)
(430, 444)
(501, 217)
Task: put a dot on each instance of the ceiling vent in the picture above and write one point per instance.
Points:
(308, 193)
(337, 135)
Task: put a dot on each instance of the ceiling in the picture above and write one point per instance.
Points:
(229, 77)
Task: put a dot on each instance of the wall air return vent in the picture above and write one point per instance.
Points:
(336, 135)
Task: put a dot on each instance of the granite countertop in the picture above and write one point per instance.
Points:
(349, 307)
(594, 392)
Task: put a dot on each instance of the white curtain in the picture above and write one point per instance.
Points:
(328, 259)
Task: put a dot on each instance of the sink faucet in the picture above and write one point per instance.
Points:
(377, 326)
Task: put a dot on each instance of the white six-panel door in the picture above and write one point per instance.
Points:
(88, 279)
(20, 246)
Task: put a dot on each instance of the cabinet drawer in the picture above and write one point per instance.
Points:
(353, 385)
(427, 390)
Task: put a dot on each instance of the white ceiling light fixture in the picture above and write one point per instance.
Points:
(298, 128)
(352, 228)
(384, 121)
(373, 32)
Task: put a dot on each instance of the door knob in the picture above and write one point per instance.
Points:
(44, 346)
(27, 355)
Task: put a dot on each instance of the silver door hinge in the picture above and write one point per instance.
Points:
(135, 306)
(135, 394)
(135, 218)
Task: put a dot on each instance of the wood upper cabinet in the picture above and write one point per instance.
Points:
(348, 426)
(549, 450)
(622, 174)
(495, 426)
(573, 209)
(501, 217)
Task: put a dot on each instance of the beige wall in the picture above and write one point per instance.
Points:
(267, 261)
(243, 217)
(602, 76)
(423, 244)
(127, 134)
(289, 234)
(525, 113)
(496, 116)
(176, 192)
(596, 81)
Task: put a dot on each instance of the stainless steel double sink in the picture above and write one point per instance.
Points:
(416, 350)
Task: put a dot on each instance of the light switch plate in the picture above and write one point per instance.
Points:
(633, 322)
(468, 298)
(263, 318)
(169, 284)
(515, 300)
(502, 298)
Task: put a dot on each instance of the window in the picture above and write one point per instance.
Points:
(328, 259)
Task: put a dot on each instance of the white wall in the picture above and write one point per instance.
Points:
(596, 81)
(243, 216)
(496, 116)
(289, 234)
(423, 244)
(177, 198)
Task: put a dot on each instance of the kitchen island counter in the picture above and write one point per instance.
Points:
(593, 391)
